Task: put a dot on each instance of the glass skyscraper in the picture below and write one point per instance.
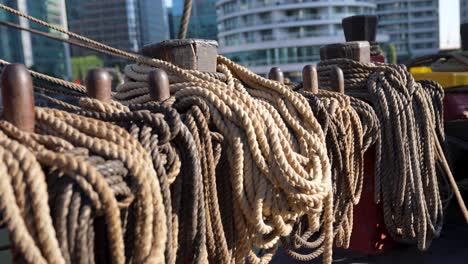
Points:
(412, 25)
(124, 24)
(202, 24)
(40, 53)
(154, 23)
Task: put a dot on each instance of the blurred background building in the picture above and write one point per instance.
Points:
(260, 34)
(420, 27)
(202, 22)
(255, 33)
(412, 25)
(124, 24)
(463, 11)
(39, 53)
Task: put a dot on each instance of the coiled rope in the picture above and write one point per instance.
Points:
(286, 173)
(172, 148)
(350, 127)
(407, 167)
(112, 143)
(279, 166)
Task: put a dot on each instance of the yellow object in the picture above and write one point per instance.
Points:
(446, 79)
(420, 69)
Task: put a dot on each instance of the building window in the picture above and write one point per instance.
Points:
(338, 10)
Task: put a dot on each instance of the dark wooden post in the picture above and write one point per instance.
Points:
(191, 54)
(360, 27)
(309, 79)
(99, 84)
(158, 82)
(464, 36)
(276, 74)
(337, 79)
(18, 97)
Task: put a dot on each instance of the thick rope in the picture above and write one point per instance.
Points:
(406, 183)
(99, 45)
(62, 39)
(75, 88)
(350, 127)
(185, 19)
(160, 132)
(112, 143)
(270, 153)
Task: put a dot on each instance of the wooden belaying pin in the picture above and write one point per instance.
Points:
(337, 79)
(276, 74)
(309, 79)
(99, 84)
(18, 97)
(158, 82)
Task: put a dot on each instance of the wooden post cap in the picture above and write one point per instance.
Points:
(337, 79)
(355, 50)
(309, 79)
(18, 97)
(99, 84)
(158, 82)
(276, 74)
(190, 54)
(360, 27)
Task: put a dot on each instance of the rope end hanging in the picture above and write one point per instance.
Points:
(185, 19)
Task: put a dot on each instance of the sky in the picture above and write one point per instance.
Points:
(449, 26)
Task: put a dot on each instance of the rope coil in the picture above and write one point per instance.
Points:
(406, 183)
(224, 170)
(247, 112)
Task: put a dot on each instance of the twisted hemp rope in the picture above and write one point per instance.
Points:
(409, 156)
(185, 19)
(166, 138)
(279, 166)
(350, 127)
(59, 130)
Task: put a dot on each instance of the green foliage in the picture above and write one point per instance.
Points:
(391, 54)
(81, 65)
